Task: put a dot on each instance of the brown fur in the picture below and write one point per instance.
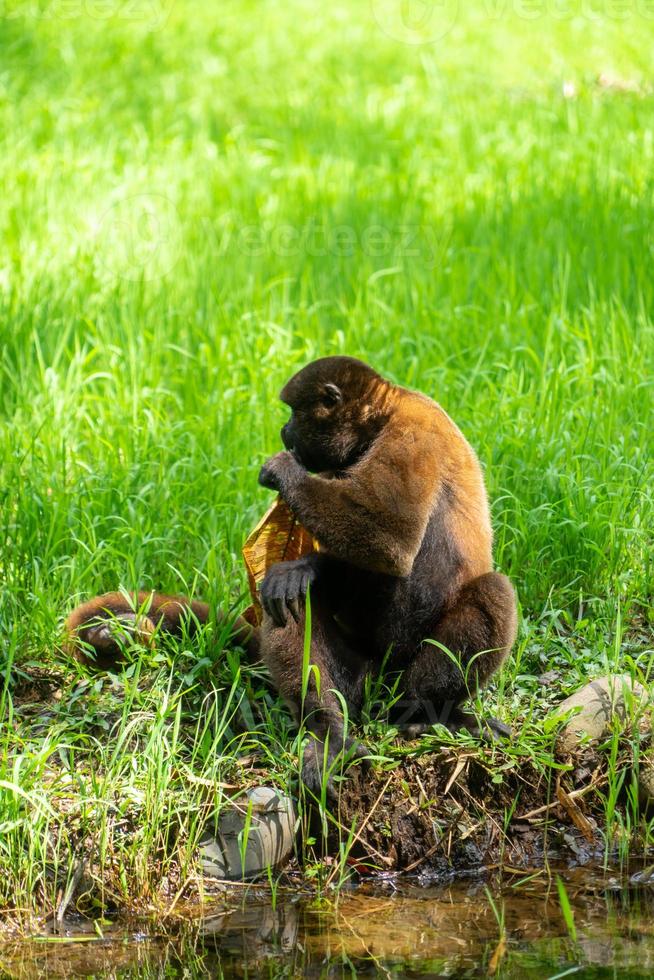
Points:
(96, 631)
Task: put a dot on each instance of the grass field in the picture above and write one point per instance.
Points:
(198, 199)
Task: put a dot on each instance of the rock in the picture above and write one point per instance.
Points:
(645, 778)
(549, 677)
(597, 704)
(643, 877)
(269, 842)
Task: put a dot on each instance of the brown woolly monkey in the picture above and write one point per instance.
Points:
(389, 487)
(393, 493)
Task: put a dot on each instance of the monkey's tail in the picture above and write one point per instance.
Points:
(96, 632)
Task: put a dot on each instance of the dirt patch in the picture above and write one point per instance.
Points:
(460, 810)
(35, 689)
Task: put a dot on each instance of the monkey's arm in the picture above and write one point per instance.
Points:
(374, 517)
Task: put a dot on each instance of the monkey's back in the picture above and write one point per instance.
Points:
(455, 548)
(460, 515)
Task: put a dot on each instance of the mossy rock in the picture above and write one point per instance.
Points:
(597, 706)
(232, 855)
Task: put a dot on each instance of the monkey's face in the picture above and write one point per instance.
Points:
(333, 416)
(318, 434)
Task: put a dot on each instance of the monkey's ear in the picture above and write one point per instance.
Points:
(332, 394)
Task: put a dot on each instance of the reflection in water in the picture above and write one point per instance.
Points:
(387, 929)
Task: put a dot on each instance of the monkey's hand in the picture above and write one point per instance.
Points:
(281, 472)
(285, 585)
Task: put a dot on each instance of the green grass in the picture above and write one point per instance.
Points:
(196, 201)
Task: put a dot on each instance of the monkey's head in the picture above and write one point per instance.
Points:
(337, 408)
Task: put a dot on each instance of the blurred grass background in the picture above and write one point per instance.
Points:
(197, 199)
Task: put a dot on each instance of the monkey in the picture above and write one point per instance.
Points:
(393, 493)
(390, 488)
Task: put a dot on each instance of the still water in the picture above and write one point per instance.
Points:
(463, 929)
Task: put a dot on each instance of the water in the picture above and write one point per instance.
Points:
(387, 929)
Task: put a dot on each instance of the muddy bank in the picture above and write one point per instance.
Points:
(566, 792)
(458, 810)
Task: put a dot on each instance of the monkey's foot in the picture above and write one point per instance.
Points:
(323, 763)
(489, 730)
